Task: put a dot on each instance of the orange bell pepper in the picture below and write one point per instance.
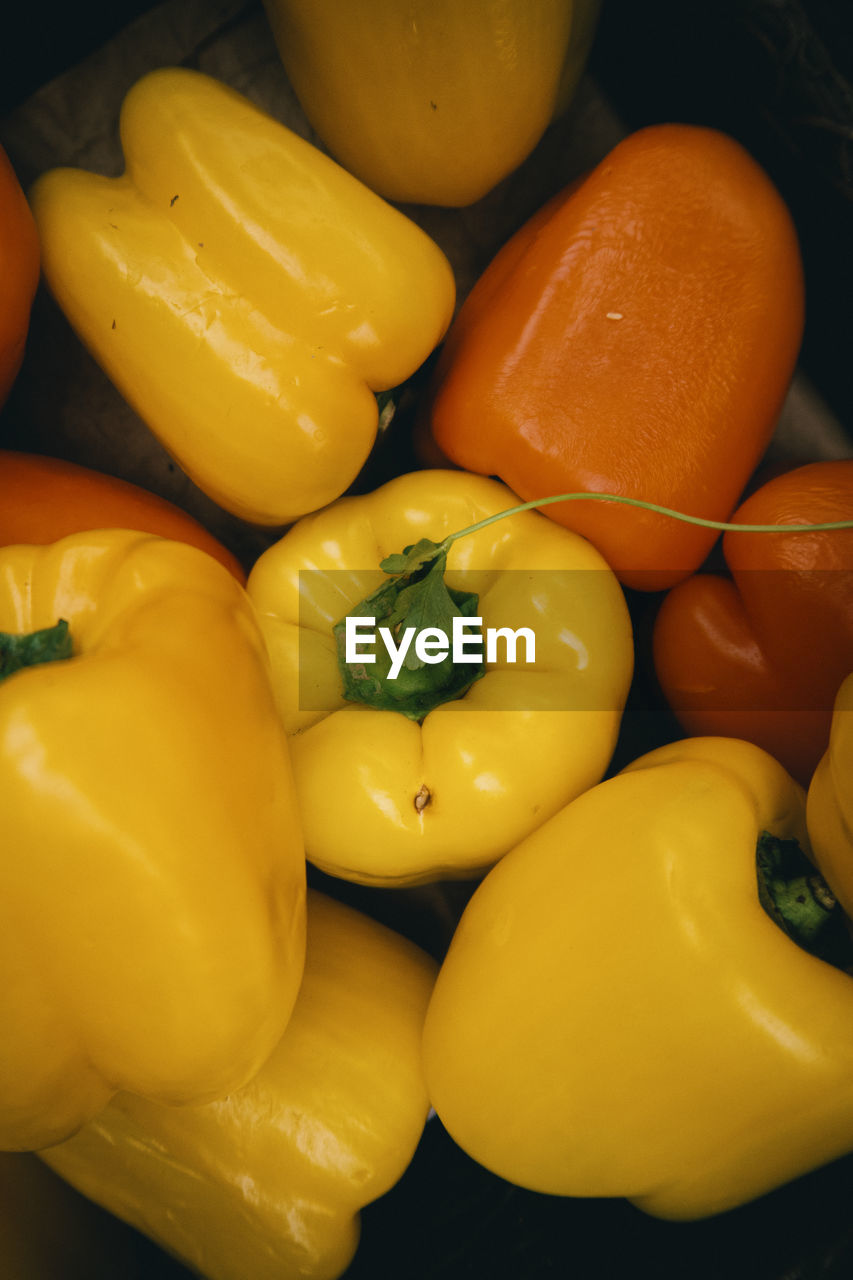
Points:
(44, 499)
(19, 273)
(637, 337)
(760, 655)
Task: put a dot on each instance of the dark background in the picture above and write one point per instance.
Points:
(777, 75)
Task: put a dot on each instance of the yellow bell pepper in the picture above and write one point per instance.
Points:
(268, 1183)
(829, 810)
(433, 101)
(399, 798)
(152, 908)
(245, 294)
(618, 1015)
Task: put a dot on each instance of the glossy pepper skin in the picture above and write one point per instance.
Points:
(830, 802)
(268, 1183)
(245, 294)
(760, 654)
(43, 499)
(689, 1055)
(152, 858)
(636, 337)
(19, 273)
(390, 800)
(432, 102)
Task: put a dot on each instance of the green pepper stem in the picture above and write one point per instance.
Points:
(723, 526)
(799, 901)
(50, 644)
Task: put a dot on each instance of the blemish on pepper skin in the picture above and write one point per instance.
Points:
(114, 324)
(172, 201)
(422, 798)
(434, 105)
(615, 315)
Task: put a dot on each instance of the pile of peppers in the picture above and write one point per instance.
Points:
(196, 751)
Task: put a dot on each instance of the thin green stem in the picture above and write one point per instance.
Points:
(722, 525)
